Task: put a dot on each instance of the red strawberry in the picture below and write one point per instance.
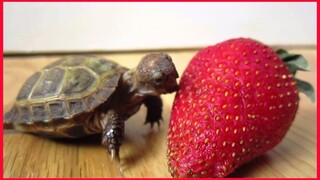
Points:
(237, 100)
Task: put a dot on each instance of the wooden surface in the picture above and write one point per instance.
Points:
(143, 152)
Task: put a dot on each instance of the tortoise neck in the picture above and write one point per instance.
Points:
(128, 93)
(128, 82)
(131, 85)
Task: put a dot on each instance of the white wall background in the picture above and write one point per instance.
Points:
(130, 26)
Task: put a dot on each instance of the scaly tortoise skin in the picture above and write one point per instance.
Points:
(81, 95)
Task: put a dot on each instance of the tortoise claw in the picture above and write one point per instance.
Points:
(115, 158)
(152, 122)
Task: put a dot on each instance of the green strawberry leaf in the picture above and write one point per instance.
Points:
(296, 62)
(282, 53)
(293, 61)
(306, 88)
(293, 70)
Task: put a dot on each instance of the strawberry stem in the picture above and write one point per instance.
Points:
(296, 62)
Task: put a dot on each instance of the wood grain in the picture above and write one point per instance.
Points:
(143, 152)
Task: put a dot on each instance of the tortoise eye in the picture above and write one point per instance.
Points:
(159, 80)
(158, 77)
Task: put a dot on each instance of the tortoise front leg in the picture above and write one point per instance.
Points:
(113, 133)
(154, 110)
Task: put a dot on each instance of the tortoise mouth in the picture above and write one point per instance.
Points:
(172, 89)
(167, 90)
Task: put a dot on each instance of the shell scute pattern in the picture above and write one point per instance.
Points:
(79, 81)
(77, 106)
(65, 88)
(93, 101)
(105, 92)
(39, 112)
(27, 87)
(100, 66)
(58, 109)
(49, 84)
(110, 82)
(25, 114)
(13, 114)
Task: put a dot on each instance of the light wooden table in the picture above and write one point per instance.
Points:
(143, 152)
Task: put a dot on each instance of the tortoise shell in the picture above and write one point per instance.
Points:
(65, 88)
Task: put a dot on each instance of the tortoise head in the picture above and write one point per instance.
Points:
(157, 73)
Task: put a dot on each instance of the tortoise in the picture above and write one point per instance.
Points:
(82, 95)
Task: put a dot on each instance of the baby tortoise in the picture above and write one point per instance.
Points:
(82, 95)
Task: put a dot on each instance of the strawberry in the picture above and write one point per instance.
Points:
(237, 100)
